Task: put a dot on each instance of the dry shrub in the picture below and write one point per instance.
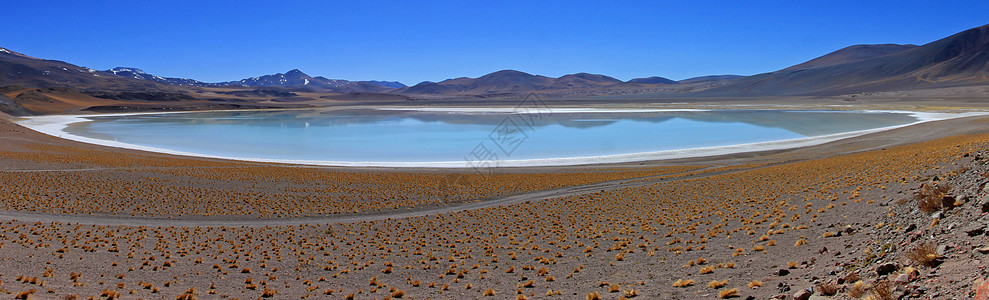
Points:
(827, 289)
(714, 284)
(929, 197)
(882, 290)
(924, 254)
(857, 290)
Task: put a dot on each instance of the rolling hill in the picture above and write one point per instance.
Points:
(960, 59)
(515, 82)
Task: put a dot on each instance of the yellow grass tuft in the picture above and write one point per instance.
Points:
(755, 284)
(728, 294)
(714, 284)
(593, 296)
(683, 283)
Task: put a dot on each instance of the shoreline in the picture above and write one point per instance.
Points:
(55, 125)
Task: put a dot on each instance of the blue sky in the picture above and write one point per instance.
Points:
(436, 40)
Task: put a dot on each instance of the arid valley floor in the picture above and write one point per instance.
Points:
(843, 219)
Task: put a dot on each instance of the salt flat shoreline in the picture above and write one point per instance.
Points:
(55, 125)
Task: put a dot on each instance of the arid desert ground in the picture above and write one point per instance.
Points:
(889, 214)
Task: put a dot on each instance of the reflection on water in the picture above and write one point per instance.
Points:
(395, 136)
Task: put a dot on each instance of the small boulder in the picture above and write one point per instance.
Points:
(975, 230)
(942, 250)
(886, 269)
(982, 290)
(783, 272)
(902, 279)
(948, 202)
(783, 287)
(802, 295)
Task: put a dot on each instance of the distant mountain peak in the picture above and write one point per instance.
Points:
(295, 72)
(652, 80)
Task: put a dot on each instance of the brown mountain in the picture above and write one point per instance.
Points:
(22, 70)
(510, 82)
(852, 54)
(298, 79)
(960, 59)
(652, 80)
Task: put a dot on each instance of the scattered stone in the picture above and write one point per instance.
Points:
(802, 295)
(942, 250)
(983, 250)
(886, 269)
(910, 228)
(783, 272)
(750, 297)
(985, 207)
(823, 250)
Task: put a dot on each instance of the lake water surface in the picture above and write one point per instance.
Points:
(461, 135)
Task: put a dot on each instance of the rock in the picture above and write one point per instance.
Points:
(936, 215)
(983, 250)
(783, 272)
(886, 269)
(823, 250)
(750, 297)
(783, 287)
(910, 228)
(912, 274)
(902, 279)
(982, 290)
(975, 230)
(802, 295)
(948, 202)
(985, 207)
(942, 250)
(961, 200)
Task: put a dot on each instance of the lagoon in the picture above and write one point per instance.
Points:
(475, 137)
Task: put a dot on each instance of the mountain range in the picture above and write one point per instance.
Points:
(958, 60)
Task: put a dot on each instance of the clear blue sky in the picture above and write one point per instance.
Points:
(435, 40)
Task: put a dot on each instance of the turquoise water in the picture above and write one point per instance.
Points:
(418, 136)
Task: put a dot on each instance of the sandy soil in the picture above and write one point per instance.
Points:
(89, 220)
